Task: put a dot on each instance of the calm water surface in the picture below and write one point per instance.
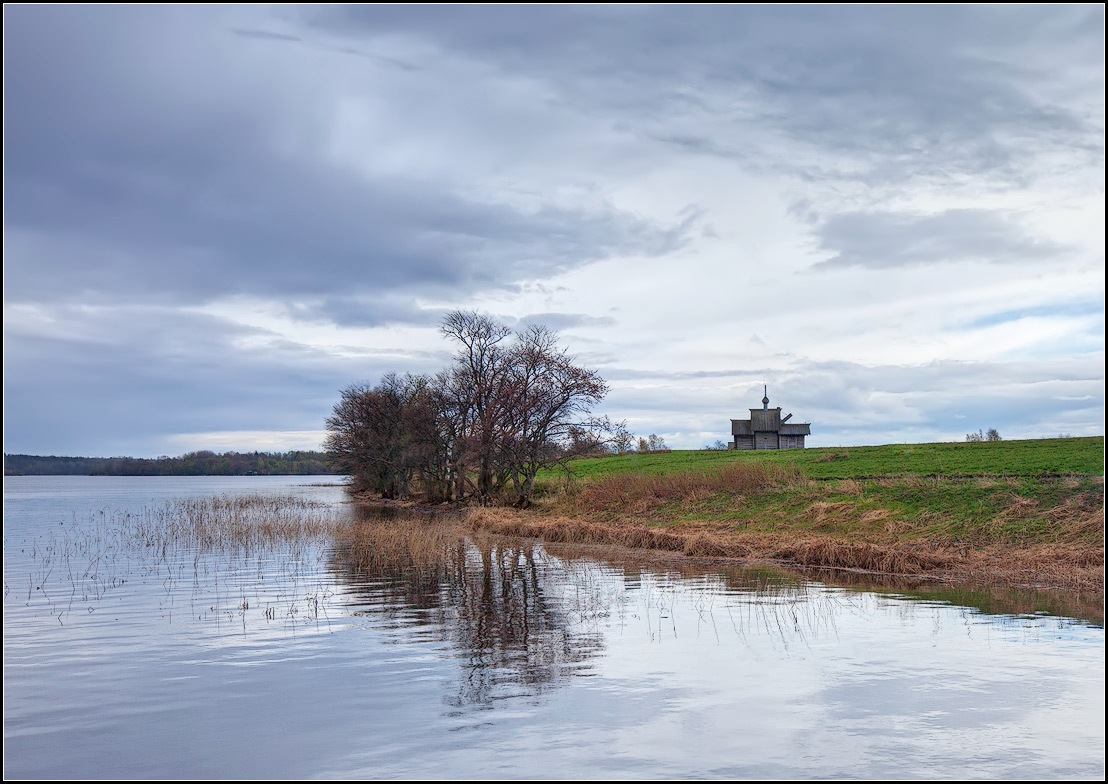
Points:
(475, 658)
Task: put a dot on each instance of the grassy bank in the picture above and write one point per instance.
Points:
(1025, 513)
(1082, 456)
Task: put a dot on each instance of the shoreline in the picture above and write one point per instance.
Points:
(1038, 567)
(1041, 567)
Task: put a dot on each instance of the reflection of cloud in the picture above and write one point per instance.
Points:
(737, 683)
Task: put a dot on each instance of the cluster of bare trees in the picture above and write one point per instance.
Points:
(991, 435)
(653, 443)
(508, 405)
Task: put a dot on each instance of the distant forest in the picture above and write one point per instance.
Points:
(202, 463)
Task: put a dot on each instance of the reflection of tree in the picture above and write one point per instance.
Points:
(516, 637)
(499, 601)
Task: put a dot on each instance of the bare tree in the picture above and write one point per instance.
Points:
(380, 435)
(453, 423)
(622, 440)
(479, 373)
(502, 411)
(547, 397)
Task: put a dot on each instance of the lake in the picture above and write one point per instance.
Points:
(401, 649)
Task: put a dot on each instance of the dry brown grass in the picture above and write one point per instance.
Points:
(986, 482)
(849, 486)
(1020, 506)
(826, 511)
(816, 551)
(385, 547)
(1076, 520)
(838, 554)
(876, 515)
(507, 522)
(1038, 566)
(897, 528)
(1043, 566)
(641, 494)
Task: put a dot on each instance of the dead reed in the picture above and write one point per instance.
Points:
(182, 542)
(225, 522)
(376, 547)
(620, 495)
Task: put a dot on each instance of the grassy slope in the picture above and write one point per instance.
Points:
(1029, 507)
(1083, 456)
(1040, 491)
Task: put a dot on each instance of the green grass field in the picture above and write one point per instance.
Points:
(1048, 456)
(1006, 492)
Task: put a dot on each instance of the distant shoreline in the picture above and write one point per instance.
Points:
(202, 463)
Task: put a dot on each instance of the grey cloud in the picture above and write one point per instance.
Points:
(885, 240)
(89, 386)
(804, 210)
(175, 176)
(705, 146)
(617, 373)
(945, 399)
(266, 35)
(154, 156)
(391, 62)
(563, 321)
(891, 92)
(371, 311)
(362, 52)
(365, 311)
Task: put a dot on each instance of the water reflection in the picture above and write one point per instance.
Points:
(997, 600)
(522, 618)
(994, 600)
(370, 648)
(499, 603)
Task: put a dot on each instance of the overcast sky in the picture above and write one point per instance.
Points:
(217, 217)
